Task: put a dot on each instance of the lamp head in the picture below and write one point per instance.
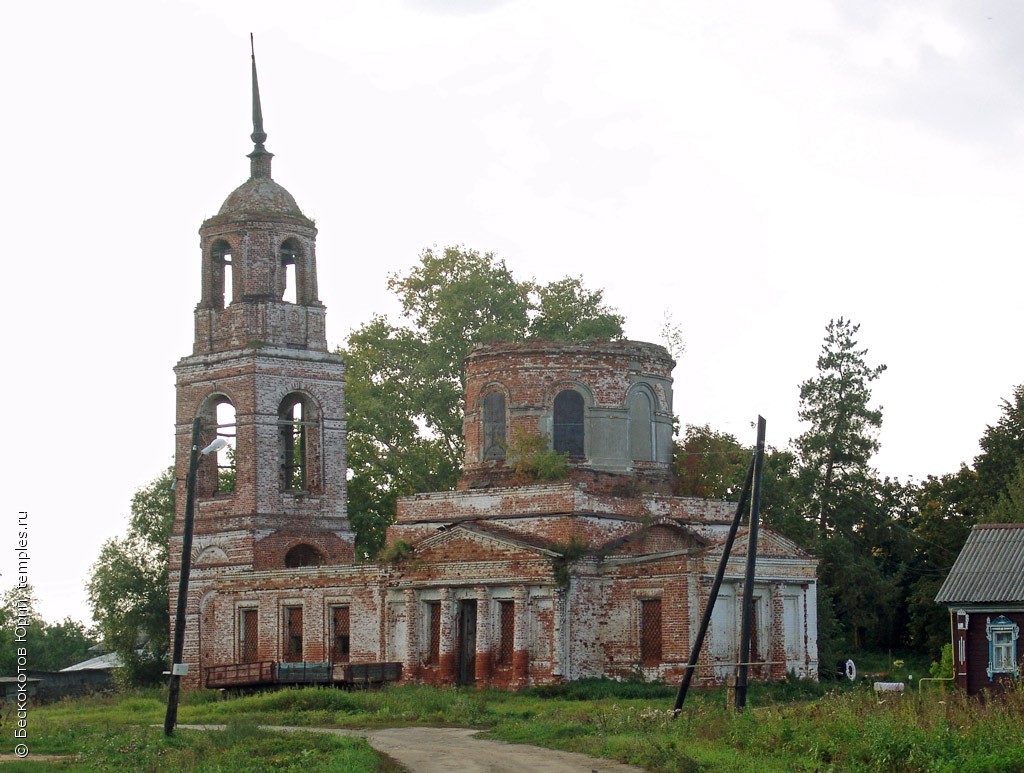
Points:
(215, 446)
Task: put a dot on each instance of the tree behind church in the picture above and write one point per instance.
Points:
(128, 584)
(404, 389)
(48, 647)
(839, 493)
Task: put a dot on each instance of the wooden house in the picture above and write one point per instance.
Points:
(985, 596)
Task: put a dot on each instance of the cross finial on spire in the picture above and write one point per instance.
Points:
(260, 156)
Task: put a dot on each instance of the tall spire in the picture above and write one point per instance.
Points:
(259, 159)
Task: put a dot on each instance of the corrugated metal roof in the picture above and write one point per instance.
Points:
(990, 567)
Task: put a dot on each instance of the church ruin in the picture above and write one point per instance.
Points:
(507, 581)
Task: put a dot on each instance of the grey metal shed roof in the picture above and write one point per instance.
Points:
(990, 567)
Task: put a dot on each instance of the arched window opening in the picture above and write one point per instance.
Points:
(302, 555)
(216, 473)
(290, 256)
(568, 423)
(641, 426)
(220, 264)
(494, 426)
(299, 444)
(292, 428)
(226, 474)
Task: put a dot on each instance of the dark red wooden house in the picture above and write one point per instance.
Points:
(985, 596)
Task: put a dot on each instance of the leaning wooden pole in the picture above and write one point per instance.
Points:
(705, 620)
(748, 580)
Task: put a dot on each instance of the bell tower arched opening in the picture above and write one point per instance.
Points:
(299, 443)
(216, 473)
(221, 276)
(291, 259)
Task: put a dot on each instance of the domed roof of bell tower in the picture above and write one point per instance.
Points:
(260, 195)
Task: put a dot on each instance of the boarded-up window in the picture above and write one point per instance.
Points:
(568, 423)
(293, 635)
(724, 636)
(793, 627)
(494, 426)
(434, 635)
(640, 426)
(650, 632)
(339, 634)
(248, 636)
(506, 640)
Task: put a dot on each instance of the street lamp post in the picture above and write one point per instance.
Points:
(177, 668)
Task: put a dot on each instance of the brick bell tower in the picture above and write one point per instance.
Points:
(260, 375)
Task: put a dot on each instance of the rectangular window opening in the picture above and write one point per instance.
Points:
(434, 636)
(506, 640)
(650, 632)
(248, 636)
(340, 641)
(293, 635)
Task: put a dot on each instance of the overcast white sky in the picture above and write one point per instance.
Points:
(752, 168)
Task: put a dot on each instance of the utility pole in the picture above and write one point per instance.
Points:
(748, 580)
(705, 620)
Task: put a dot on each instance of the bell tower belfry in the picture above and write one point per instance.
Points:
(261, 376)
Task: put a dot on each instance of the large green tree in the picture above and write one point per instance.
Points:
(840, 493)
(940, 522)
(712, 464)
(836, 449)
(947, 507)
(709, 464)
(1009, 506)
(404, 386)
(49, 647)
(128, 584)
(1002, 452)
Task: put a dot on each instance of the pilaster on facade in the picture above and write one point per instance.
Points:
(520, 637)
(411, 665)
(483, 646)
(447, 663)
(559, 633)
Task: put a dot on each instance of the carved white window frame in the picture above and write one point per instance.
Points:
(1002, 634)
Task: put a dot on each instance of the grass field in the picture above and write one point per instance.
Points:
(795, 726)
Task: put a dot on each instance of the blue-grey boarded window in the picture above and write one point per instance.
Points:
(568, 423)
(494, 426)
(641, 446)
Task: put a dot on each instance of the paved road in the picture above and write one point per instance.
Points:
(458, 750)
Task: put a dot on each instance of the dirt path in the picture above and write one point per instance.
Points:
(458, 750)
